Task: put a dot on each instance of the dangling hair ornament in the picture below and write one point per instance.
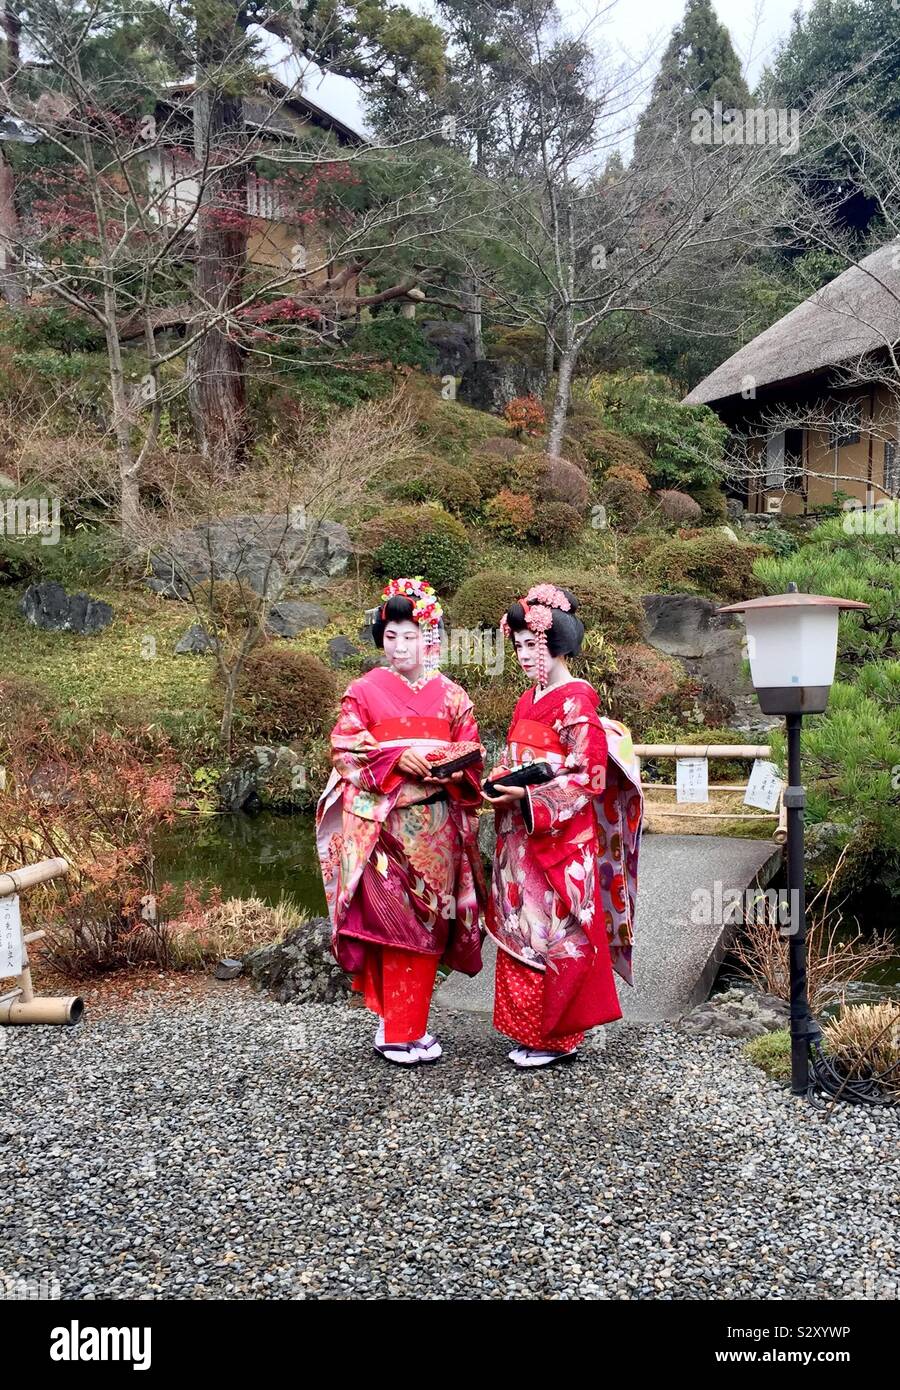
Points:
(427, 612)
(538, 605)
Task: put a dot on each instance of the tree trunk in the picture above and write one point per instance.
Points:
(472, 302)
(12, 286)
(216, 366)
(549, 353)
(561, 400)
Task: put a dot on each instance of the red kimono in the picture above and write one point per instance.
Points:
(399, 857)
(565, 872)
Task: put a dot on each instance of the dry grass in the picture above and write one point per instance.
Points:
(864, 1040)
(833, 960)
(231, 929)
(663, 816)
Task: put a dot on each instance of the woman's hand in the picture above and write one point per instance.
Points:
(508, 797)
(412, 764)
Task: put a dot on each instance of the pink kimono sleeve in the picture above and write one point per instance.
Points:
(357, 756)
(547, 807)
(464, 729)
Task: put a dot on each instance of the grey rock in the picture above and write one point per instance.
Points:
(490, 384)
(340, 649)
(227, 969)
(300, 968)
(291, 616)
(708, 644)
(269, 777)
(266, 551)
(195, 642)
(452, 345)
(47, 605)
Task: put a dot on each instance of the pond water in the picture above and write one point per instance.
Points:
(268, 856)
(264, 856)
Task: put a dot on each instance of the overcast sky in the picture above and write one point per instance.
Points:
(634, 32)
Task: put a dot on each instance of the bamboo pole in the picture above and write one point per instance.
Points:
(702, 750)
(21, 1005)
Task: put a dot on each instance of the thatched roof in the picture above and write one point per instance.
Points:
(857, 313)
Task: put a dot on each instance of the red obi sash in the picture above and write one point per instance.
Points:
(530, 733)
(410, 727)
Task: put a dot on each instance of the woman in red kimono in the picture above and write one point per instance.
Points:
(565, 867)
(398, 846)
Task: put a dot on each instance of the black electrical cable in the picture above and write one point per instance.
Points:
(824, 1076)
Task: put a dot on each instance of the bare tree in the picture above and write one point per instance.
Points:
(309, 479)
(585, 237)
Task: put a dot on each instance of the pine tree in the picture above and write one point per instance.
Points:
(698, 68)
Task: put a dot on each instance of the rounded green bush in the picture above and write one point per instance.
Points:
(423, 540)
(285, 694)
(485, 596)
(556, 524)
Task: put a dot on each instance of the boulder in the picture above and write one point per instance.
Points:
(451, 344)
(47, 605)
(491, 384)
(341, 649)
(708, 644)
(268, 777)
(300, 968)
(737, 1013)
(291, 616)
(195, 642)
(266, 551)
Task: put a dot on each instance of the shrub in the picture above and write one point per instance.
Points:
(849, 754)
(864, 567)
(556, 524)
(641, 680)
(101, 810)
(510, 515)
(776, 539)
(624, 473)
(712, 565)
(678, 506)
(18, 560)
(502, 446)
(434, 480)
(864, 1040)
(485, 596)
(525, 415)
(423, 540)
(626, 503)
(711, 500)
(285, 694)
(391, 338)
(603, 603)
(605, 449)
(561, 481)
(685, 442)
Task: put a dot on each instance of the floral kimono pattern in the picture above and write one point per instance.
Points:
(565, 866)
(399, 857)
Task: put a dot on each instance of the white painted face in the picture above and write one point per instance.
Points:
(404, 647)
(526, 645)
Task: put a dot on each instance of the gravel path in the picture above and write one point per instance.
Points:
(231, 1147)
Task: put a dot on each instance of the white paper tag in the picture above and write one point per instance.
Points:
(10, 936)
(691, 779)
(764, 786)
